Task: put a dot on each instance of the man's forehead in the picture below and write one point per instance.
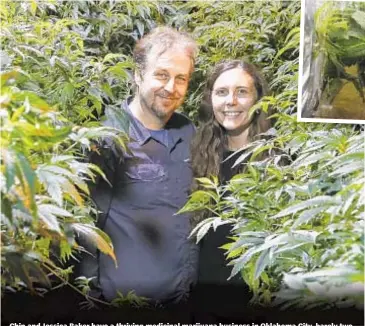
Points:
(176, 59)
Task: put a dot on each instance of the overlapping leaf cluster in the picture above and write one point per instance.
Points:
(297, 228)
(297, 217)
(47, 91)
(264, 33)
(44, 189)
(295, 225)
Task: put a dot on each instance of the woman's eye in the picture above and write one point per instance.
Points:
(221, 92)
(241, 92)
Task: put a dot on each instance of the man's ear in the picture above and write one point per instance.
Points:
(137, 77)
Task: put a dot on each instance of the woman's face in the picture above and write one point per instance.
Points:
(233, 95)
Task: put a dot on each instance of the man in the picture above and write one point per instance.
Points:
(151, 180)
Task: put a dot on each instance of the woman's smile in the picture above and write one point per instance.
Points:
(231, 114)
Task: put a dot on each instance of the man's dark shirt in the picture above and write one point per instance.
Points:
(151, 182)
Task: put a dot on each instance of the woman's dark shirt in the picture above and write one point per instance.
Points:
(216, 298)
(212, 262)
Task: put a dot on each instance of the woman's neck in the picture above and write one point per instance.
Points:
(238, 140)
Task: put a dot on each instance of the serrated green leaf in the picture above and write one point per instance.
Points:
(10, 168)
(319, 200)
(54, 210)
(99, 171)
(33, 98)
(359, 17)
(65, 250)
(206, 182)
(356, 166)
(203, 231)
(200, 224)
(307, 215)
(27, 178)
(240, 263)
(96, 236)
(68, 188)
(312, 158)
(261, 263)
(49, 219)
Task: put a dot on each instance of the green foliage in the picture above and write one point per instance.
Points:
(65, 65)
(75, 53)
(44, 188)
(265, 33)
(302, 220)
(297, 216)
(340, 32)
(130, 298)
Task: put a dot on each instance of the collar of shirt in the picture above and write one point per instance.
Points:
(139, 133)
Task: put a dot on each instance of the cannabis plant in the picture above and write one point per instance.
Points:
(296, 216)
(46, 213)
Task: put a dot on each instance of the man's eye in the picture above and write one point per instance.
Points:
(162, 75)
(181, 80)
(221, 92)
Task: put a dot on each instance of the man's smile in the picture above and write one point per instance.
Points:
(168, 97)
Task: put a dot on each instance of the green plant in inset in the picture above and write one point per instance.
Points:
(340, 37)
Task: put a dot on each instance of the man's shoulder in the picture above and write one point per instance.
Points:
(180, 121)
(116, 116)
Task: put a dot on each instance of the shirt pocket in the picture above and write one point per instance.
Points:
(150, 172)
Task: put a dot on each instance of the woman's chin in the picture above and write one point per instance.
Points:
(232, 127)
(236, 128)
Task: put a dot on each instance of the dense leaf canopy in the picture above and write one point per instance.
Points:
(297, 229)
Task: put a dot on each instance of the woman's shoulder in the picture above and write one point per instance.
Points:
(228, 168)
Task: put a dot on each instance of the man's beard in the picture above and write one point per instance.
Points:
(161, 114)
(158, 112)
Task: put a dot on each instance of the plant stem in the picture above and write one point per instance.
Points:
(74, 287)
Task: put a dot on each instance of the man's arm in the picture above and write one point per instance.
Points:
(101, 193)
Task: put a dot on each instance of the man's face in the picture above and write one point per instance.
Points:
(163, 84)
(233, 95)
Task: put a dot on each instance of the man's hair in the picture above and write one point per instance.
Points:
(161, 39)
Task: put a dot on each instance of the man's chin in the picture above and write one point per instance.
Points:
(165, 109)
(163, 114)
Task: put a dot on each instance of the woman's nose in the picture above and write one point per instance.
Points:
(231, 99)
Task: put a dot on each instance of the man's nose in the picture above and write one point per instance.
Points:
(170, 85)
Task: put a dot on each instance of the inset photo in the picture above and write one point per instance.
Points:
(332, 62)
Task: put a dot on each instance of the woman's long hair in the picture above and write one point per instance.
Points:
(210, 140)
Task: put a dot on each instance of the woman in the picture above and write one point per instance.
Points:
(231, 90)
